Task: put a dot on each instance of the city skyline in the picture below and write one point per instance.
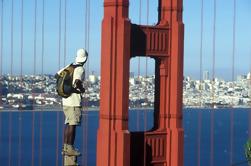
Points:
(75, 36)
(28, 92)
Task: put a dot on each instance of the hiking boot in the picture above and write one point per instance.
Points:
(69, 150)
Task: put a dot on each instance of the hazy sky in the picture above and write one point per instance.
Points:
(75, 35)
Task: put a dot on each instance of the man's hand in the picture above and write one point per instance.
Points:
(78, 86)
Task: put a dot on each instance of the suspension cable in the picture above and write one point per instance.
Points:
(250, 79)
(59, 34)
(213, 91)
(1, 48)
(234, 36)
(233, 77)
(249, 126)
(59, 58)
(33, 85)
(146, 76)
(213, 63)
(88, 70)
(146, 65)
(85, 99)
(12, 22)
(42, 59)
(201, 47)
(201, 56)
(21, 102)
(65, 30)
(1, 68)
(138, 112)
(65, 49)
(40, 137)
(11, 73)
(42, 74)
(250, 96)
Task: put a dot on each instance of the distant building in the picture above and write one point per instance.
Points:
(206, 75)
(131, 74)
(249, 76)
(93, 79)
(241, 77)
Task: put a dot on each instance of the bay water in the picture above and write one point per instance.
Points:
(35, 137)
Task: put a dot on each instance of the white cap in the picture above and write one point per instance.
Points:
(81, 56)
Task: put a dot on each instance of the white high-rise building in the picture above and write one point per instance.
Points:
(93, 79)
(205, 75)
(249, 76)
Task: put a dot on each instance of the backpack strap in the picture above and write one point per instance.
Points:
(76, 65)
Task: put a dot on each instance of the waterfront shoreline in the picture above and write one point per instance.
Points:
(59, 108)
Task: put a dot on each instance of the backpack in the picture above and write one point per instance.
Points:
(64, 81)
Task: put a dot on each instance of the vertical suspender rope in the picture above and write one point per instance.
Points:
(146, 66)
(234, 36)
(1, 68)
(65, 34)
(34, 72)
(88, 31)
(250, 97)
(59, 54)
(138, 113)
(65, 38)
(233, 77)
(86, 13)
(21, 81)
(199, 113)
(84, 113)
(249, 128)
(85, 101)
(201, 48)
(65, 44)
(213, 91)
(88, 70)
(59, 34)
(42, 74)
(42, 58)
(11, 73)
(12, 22)
(1, 47)
(213, 73)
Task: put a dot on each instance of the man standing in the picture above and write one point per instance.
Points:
(72, 104)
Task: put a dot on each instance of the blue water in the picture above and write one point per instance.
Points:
(18, 126)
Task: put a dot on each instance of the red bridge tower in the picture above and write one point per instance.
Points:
(121, 40)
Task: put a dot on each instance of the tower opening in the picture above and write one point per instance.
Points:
(141, 94)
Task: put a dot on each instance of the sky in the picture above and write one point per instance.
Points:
(62, 41)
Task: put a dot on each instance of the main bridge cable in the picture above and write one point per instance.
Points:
(10, 82)
(213, 91)
(233, 77)
(21, 82)
(201, 66)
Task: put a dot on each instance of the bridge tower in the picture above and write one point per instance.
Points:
(121, 40)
